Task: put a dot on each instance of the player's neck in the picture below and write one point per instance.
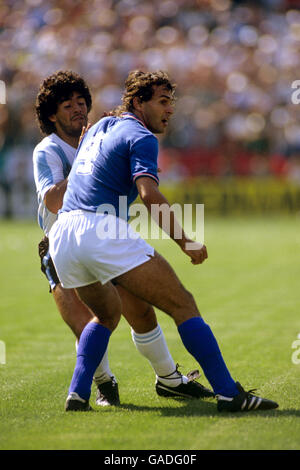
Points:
(139, 116)
(71, 140)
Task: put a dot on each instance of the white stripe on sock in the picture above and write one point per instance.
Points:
(153, 346)
(147, 337)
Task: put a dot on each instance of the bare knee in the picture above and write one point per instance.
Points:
(145, 321)
(185, 308)
(107, 317)
(104, 302)
(109, 321)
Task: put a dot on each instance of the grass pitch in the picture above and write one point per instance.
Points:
(247, 290)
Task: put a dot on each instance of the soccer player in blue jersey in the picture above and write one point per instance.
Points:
(62, 108)
(91, 243)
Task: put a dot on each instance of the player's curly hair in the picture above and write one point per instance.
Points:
(54, 90)
(140, 84)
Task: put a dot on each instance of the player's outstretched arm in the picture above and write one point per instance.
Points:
(151, 195)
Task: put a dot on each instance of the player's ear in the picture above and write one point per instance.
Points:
(52, 118)
(137, 103)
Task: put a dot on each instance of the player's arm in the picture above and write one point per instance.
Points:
(150, 194)
(53, 198)
(49, 177)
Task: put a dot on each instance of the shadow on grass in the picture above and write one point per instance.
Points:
(199, 408)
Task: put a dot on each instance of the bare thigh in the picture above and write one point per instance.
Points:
(156, 283)
(139, 314)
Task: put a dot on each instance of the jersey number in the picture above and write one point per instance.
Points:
(85, 165)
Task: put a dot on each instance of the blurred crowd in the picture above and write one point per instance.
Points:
(234, 63)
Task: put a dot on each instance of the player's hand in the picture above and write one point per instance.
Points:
(196, 251)
(107, 114)
(83, 131)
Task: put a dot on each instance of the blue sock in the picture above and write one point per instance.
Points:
(91, 348)
(199, 340)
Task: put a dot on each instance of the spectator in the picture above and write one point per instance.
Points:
(234, 63)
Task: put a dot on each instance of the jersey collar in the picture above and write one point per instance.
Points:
(131, 115)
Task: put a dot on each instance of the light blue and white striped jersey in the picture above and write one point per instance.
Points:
(52, 161)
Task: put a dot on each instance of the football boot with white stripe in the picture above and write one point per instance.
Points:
(75, 403)
(244, 401)
(190, 389)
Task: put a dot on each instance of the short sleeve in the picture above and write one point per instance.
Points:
(143, 158)
(48, 170)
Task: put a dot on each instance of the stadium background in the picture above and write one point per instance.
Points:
(233, 144)
(234, 141)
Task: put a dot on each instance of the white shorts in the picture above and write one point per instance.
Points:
(87, 247)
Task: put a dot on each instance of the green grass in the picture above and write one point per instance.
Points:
(247, 290)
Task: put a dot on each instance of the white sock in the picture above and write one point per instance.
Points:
(102, 373)
(153, 346)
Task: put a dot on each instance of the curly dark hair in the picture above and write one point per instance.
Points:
(140, 84)
(54, 90)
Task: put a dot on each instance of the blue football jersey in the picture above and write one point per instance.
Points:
(112, 155)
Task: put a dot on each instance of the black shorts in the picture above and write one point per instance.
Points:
(47, 265)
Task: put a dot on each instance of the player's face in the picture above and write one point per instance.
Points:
(71, 116)
(157, 112)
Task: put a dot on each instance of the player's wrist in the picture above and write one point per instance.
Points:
(182, 241)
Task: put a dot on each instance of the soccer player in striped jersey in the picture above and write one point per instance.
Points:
(62, 108)
(117, 158)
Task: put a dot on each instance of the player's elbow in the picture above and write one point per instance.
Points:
(54, 196)
(148, 191)
(54, 208)
(53, 204)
